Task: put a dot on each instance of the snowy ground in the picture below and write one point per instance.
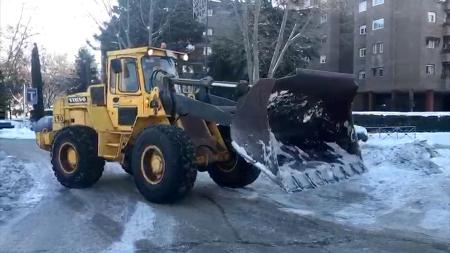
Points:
(21, 130)
(407, 188)
(401, 205)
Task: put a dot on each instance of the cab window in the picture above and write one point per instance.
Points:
(128, 78)
(112, 79)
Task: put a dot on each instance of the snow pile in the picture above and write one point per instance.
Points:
(295, 170)
(14, 182)
(406, 188)
(21, 130)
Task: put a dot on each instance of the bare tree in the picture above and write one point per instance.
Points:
(150, 22)
(14, 63)
(58, 75)
(283, 44)
(248, 15)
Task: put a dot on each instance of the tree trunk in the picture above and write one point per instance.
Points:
(243, 25)
(292, 38)
(280, 38)
(255, 41)
(150, 23)
(36, 82)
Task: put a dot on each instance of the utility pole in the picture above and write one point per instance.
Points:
(205, 64)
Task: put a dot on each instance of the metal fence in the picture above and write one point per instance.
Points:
(397, 132)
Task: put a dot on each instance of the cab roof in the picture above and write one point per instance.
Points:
(144, 50)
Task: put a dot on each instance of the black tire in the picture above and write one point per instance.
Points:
(179, 170)
(89, 167)
(233, 174)
(126, 164)
(236, 173)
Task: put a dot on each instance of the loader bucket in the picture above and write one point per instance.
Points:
(299, 129)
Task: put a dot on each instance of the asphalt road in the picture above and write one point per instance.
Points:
(113, 217)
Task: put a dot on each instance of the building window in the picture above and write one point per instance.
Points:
(362, 52)
(210, 12)
(207, 50)
(208, 32)
(446, 43)
(363, 29)
(445, 70)
(324, 39)
(323, 59)
(430, 69)
(377, 2)
(432, 42)
(431, 17)
(379, 71)
(362, 75)
(307, 3)
(323, 18)
(378, 48)
(378, 24)
(363, 6)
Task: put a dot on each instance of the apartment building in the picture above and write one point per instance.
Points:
(401, 55)
(220, 23)
(335, 23)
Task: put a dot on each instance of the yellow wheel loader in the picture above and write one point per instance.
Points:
(163, 129)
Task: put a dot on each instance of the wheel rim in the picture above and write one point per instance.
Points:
(153, 164)
(229, 165)
(68, 158)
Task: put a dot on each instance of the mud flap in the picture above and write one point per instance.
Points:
(299, 129)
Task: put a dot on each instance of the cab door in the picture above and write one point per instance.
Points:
(125, 100)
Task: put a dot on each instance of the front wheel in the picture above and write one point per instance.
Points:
(163, 163)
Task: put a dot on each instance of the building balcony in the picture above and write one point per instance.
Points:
(446, 29)
(446, 55)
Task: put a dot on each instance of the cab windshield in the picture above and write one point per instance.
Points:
(152, 63)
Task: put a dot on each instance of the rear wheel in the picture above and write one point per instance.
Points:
(163, 163)
(236, 172)
(74, 157)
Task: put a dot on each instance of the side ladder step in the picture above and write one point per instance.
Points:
(113, 145)
(110, 157)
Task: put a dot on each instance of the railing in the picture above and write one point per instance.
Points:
(393, 131)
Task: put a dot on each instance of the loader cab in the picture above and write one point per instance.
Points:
(134, 77)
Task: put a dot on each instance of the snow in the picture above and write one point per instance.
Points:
(406, 188)
(361, 130)
(17, 187)
(423, 114)
(294, 170)
(139, 224)
(21, 130)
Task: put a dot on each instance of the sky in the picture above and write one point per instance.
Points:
(62, 26)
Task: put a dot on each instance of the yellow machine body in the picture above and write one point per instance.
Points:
(100, 108)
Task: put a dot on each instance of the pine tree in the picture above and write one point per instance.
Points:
(85, 70)
(36, 82)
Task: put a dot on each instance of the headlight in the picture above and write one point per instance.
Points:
(150, 52)
(185, 57)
